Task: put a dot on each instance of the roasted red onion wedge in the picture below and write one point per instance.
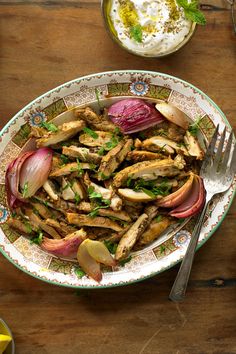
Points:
(88, 263)
(67, 246)
(133, 115)
(29, 171)
(173, 114)
(12, 179)
(178, 197)
(99, 252)
(195, 201)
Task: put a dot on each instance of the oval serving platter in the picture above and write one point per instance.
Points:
(163, 253)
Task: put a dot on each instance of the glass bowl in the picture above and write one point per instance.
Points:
(106, 7)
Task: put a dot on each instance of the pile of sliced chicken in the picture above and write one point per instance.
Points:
(104, 182)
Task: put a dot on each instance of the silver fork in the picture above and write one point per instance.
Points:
(217, 171)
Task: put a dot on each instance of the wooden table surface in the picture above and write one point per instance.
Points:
(43, 44)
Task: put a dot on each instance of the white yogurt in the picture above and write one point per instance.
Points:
(163, 24)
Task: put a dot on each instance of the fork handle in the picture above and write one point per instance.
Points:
(179, 287)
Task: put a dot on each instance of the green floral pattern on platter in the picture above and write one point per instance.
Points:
(155, 258)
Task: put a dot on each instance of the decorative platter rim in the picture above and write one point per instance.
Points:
(140, 83)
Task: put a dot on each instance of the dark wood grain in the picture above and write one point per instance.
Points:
(43, 44)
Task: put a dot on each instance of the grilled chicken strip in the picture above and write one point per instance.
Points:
(84, 220)
(102, 139)
(82, 153)
(69, 168)
(61, 227)
(50, 189)
(41, 224)
(116, 201)
(88, 207)
(42, 210)
(130, 237)
(159, 143)
(20, 226)
(113, 159)
(153, 231)
(139, 156)
(65, 131)
(98, 122)
(148, 170)
(193, 146)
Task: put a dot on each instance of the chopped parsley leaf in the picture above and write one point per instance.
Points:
(97, 93)
(49, 126)
(158, 218)
(192, 12)
(28, 227)
(124, 261)
(79, 168)
(64, 159)
(79, 272)
(136, 33)
(92, 194)
(90, 132)
(67, 185)
(77, 198)
(37, 239)
(95, 211)
(101, 151)
(111, 246)
(194, 128)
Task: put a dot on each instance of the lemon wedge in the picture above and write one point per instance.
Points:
(4, 341)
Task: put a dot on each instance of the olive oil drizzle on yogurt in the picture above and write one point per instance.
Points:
(150, 27)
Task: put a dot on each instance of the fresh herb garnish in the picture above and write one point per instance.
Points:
(79, 168)
(101, 151)
(64, 159)
(112, 143)
(67, 185)
(79, 272)
(77, 198)
(111, 246)
(93, 167)
(117, 131)
(90, 132)
(124, 261)
(37, 239)
(115, 139)
(180, 221)
(92, 194)
(103, 176)
(136, 33)
(25, 189)
(142, 135)
(35, 211)
(194, 127)
(192, 11)
(158, 218)
(148, 192)
(100, 202)
(95, 211)
(150, 187)
(129, 181)
(97, 93)
(28, 227)
(49, 126)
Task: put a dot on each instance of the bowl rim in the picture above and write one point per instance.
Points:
(182, 44)
(200, 244)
